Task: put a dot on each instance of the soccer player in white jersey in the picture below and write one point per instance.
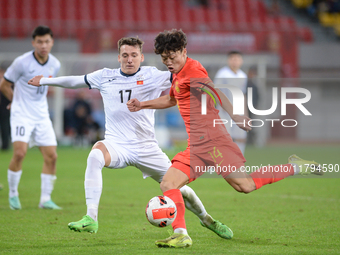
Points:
(233, 75)
(30, 120)
(129, 137)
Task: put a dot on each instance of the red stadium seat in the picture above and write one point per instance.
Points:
(169, 11)
(305, 34)
(72, 18)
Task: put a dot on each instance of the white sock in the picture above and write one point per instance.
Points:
(242, 146)
(181, 231)
(195, 205)
(94, 182)
(296, 168)
(47, 185)
(13, 182)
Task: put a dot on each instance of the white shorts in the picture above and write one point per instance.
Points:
(35, 133)
(148, 158)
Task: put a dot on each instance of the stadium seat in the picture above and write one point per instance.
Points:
(170, 13)
(156, 15)
(337, 30)
(327, 19)
(213, 19)
(305, 34)
(74, 18)
(302, 3)
(114, 16)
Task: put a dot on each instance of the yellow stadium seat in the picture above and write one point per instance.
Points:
(327, 19)
(302, 3)
(337, 19)
(337, 29)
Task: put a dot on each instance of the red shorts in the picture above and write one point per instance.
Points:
(220, 155)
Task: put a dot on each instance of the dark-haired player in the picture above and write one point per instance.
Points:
(30, 120)
(208, 146)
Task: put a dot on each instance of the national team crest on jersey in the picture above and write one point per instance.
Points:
(176, 87)
(50, 72)
(140, 79)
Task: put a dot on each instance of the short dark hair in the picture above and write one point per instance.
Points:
(234, 52)
(42, 30)
(173, 40)
(132, 41)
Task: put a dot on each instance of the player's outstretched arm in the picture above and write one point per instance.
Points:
(159, 103)
(241, 121)
(71, 82)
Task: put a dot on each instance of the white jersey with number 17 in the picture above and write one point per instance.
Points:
(116, 88)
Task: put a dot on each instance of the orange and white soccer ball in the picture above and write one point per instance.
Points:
(161, 211)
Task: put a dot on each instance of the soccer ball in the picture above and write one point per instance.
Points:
(161, 211)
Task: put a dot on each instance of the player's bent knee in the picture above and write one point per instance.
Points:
(96, 154)
(167, 185)
(110, 154)
(19, 155)
(242, 185)
(52, 158)
(246, 189)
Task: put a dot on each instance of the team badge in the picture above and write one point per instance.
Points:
(176, 87)
(50, 72)
(140, 79)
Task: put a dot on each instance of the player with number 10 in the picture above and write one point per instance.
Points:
(30, 120)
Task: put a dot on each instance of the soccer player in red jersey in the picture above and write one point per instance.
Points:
(209, 146)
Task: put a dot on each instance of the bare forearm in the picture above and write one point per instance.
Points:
(6, 89)
(226, 104)
(159, 103)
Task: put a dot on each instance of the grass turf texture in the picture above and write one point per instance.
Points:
(293, 216)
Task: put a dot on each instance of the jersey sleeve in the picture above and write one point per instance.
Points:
(200, 78)
(93, 80)
(171, 92)
(161, 79)
(14, 71)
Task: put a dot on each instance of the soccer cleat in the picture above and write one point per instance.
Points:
(175, 241)
(14, 203)
(306, 167)
(49, 205)
(86, 224)
(219, 229)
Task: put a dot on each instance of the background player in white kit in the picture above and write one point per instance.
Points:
(129, 137)
(30, 118)
(233, 75)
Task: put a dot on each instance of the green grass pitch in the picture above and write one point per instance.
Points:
(293, 216)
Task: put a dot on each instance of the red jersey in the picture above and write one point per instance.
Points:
(186, 90)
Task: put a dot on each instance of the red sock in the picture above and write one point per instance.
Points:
(270, 174)
(176, 196)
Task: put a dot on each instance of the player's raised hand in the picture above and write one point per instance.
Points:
(242, 122)
(35, 81)
(133, 105)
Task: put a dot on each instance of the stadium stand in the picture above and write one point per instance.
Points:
(17, 17)
(326, 12)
